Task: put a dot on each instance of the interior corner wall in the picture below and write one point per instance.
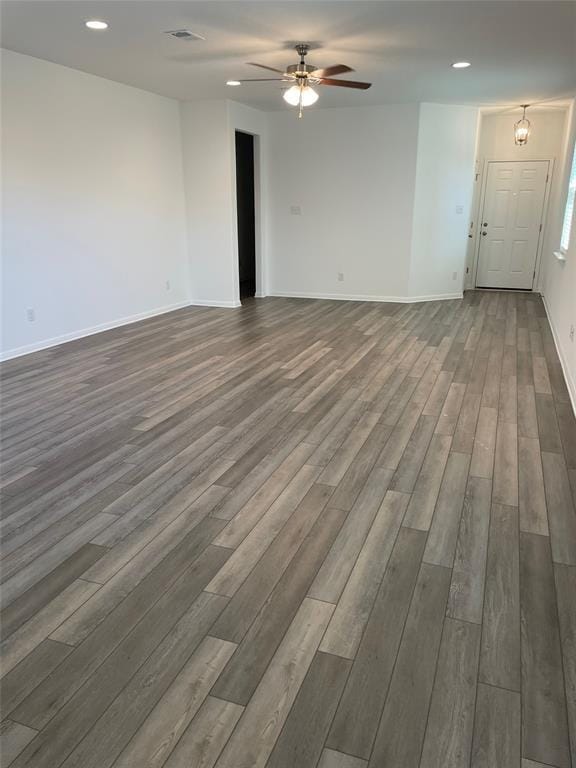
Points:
(341, 191)
(559, 277)
(93, 220)
(442, 200)
(210, 210)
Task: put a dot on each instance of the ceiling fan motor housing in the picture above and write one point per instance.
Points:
(300, 70)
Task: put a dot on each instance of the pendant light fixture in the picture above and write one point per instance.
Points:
(522, 128)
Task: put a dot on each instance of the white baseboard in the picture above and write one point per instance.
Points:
(214, 303)
(363, 297)
(56, 340)
(73, 336)
(570, 383)
(432, 297)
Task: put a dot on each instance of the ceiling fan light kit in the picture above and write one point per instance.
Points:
(522, 128)
(297, 94)
(302, 77)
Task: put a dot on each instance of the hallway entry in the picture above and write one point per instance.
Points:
(246, 214)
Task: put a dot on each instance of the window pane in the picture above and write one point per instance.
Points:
(566, 226)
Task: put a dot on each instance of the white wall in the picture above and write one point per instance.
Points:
(210, 207)
(496, 142)
(559, 278)
(546, 136)
(443, 199)
(351, 173)
(93, 203)
(378, 190)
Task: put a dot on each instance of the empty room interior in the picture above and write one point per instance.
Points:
(288, 384)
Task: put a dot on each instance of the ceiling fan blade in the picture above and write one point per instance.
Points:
(338, 69)
(263, 66)
(345, 83)
(266, 80)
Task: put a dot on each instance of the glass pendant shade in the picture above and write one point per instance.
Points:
(292, 95)
(522, 130)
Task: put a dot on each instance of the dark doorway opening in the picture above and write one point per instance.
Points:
(246, 214)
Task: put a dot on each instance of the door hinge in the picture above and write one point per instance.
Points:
(540, 229)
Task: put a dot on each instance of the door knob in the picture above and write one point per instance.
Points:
(484, 234)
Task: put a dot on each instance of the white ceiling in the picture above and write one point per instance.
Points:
(521, 50)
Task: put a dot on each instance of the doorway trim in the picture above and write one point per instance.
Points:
(480, 212)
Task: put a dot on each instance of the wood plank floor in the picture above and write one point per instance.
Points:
(301, 533)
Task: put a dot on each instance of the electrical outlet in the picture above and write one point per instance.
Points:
(30, 315)
(571, 334)
(454, 275)
(167, 285)
(295, 210)
(459, 209)
(340, 277)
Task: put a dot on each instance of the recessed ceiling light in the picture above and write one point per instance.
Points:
(96, 24)
(233, 82)
(460, 64)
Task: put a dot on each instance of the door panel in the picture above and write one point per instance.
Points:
(501, 207)
(513, 206)
(496, 256)
(525, 209)
(518, 257)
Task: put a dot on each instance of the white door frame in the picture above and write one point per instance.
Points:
(544, 221)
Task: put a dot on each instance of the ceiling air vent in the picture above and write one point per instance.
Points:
(184, 34)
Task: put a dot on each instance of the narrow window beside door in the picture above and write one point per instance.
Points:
(569, 210)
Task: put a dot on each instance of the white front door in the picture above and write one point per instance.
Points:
(511, 223)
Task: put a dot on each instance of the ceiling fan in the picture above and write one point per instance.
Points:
(303, 76)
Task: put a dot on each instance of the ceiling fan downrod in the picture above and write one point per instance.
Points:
(302, 50)
(302, 73)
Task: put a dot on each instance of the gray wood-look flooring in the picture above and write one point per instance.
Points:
(297, 534)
